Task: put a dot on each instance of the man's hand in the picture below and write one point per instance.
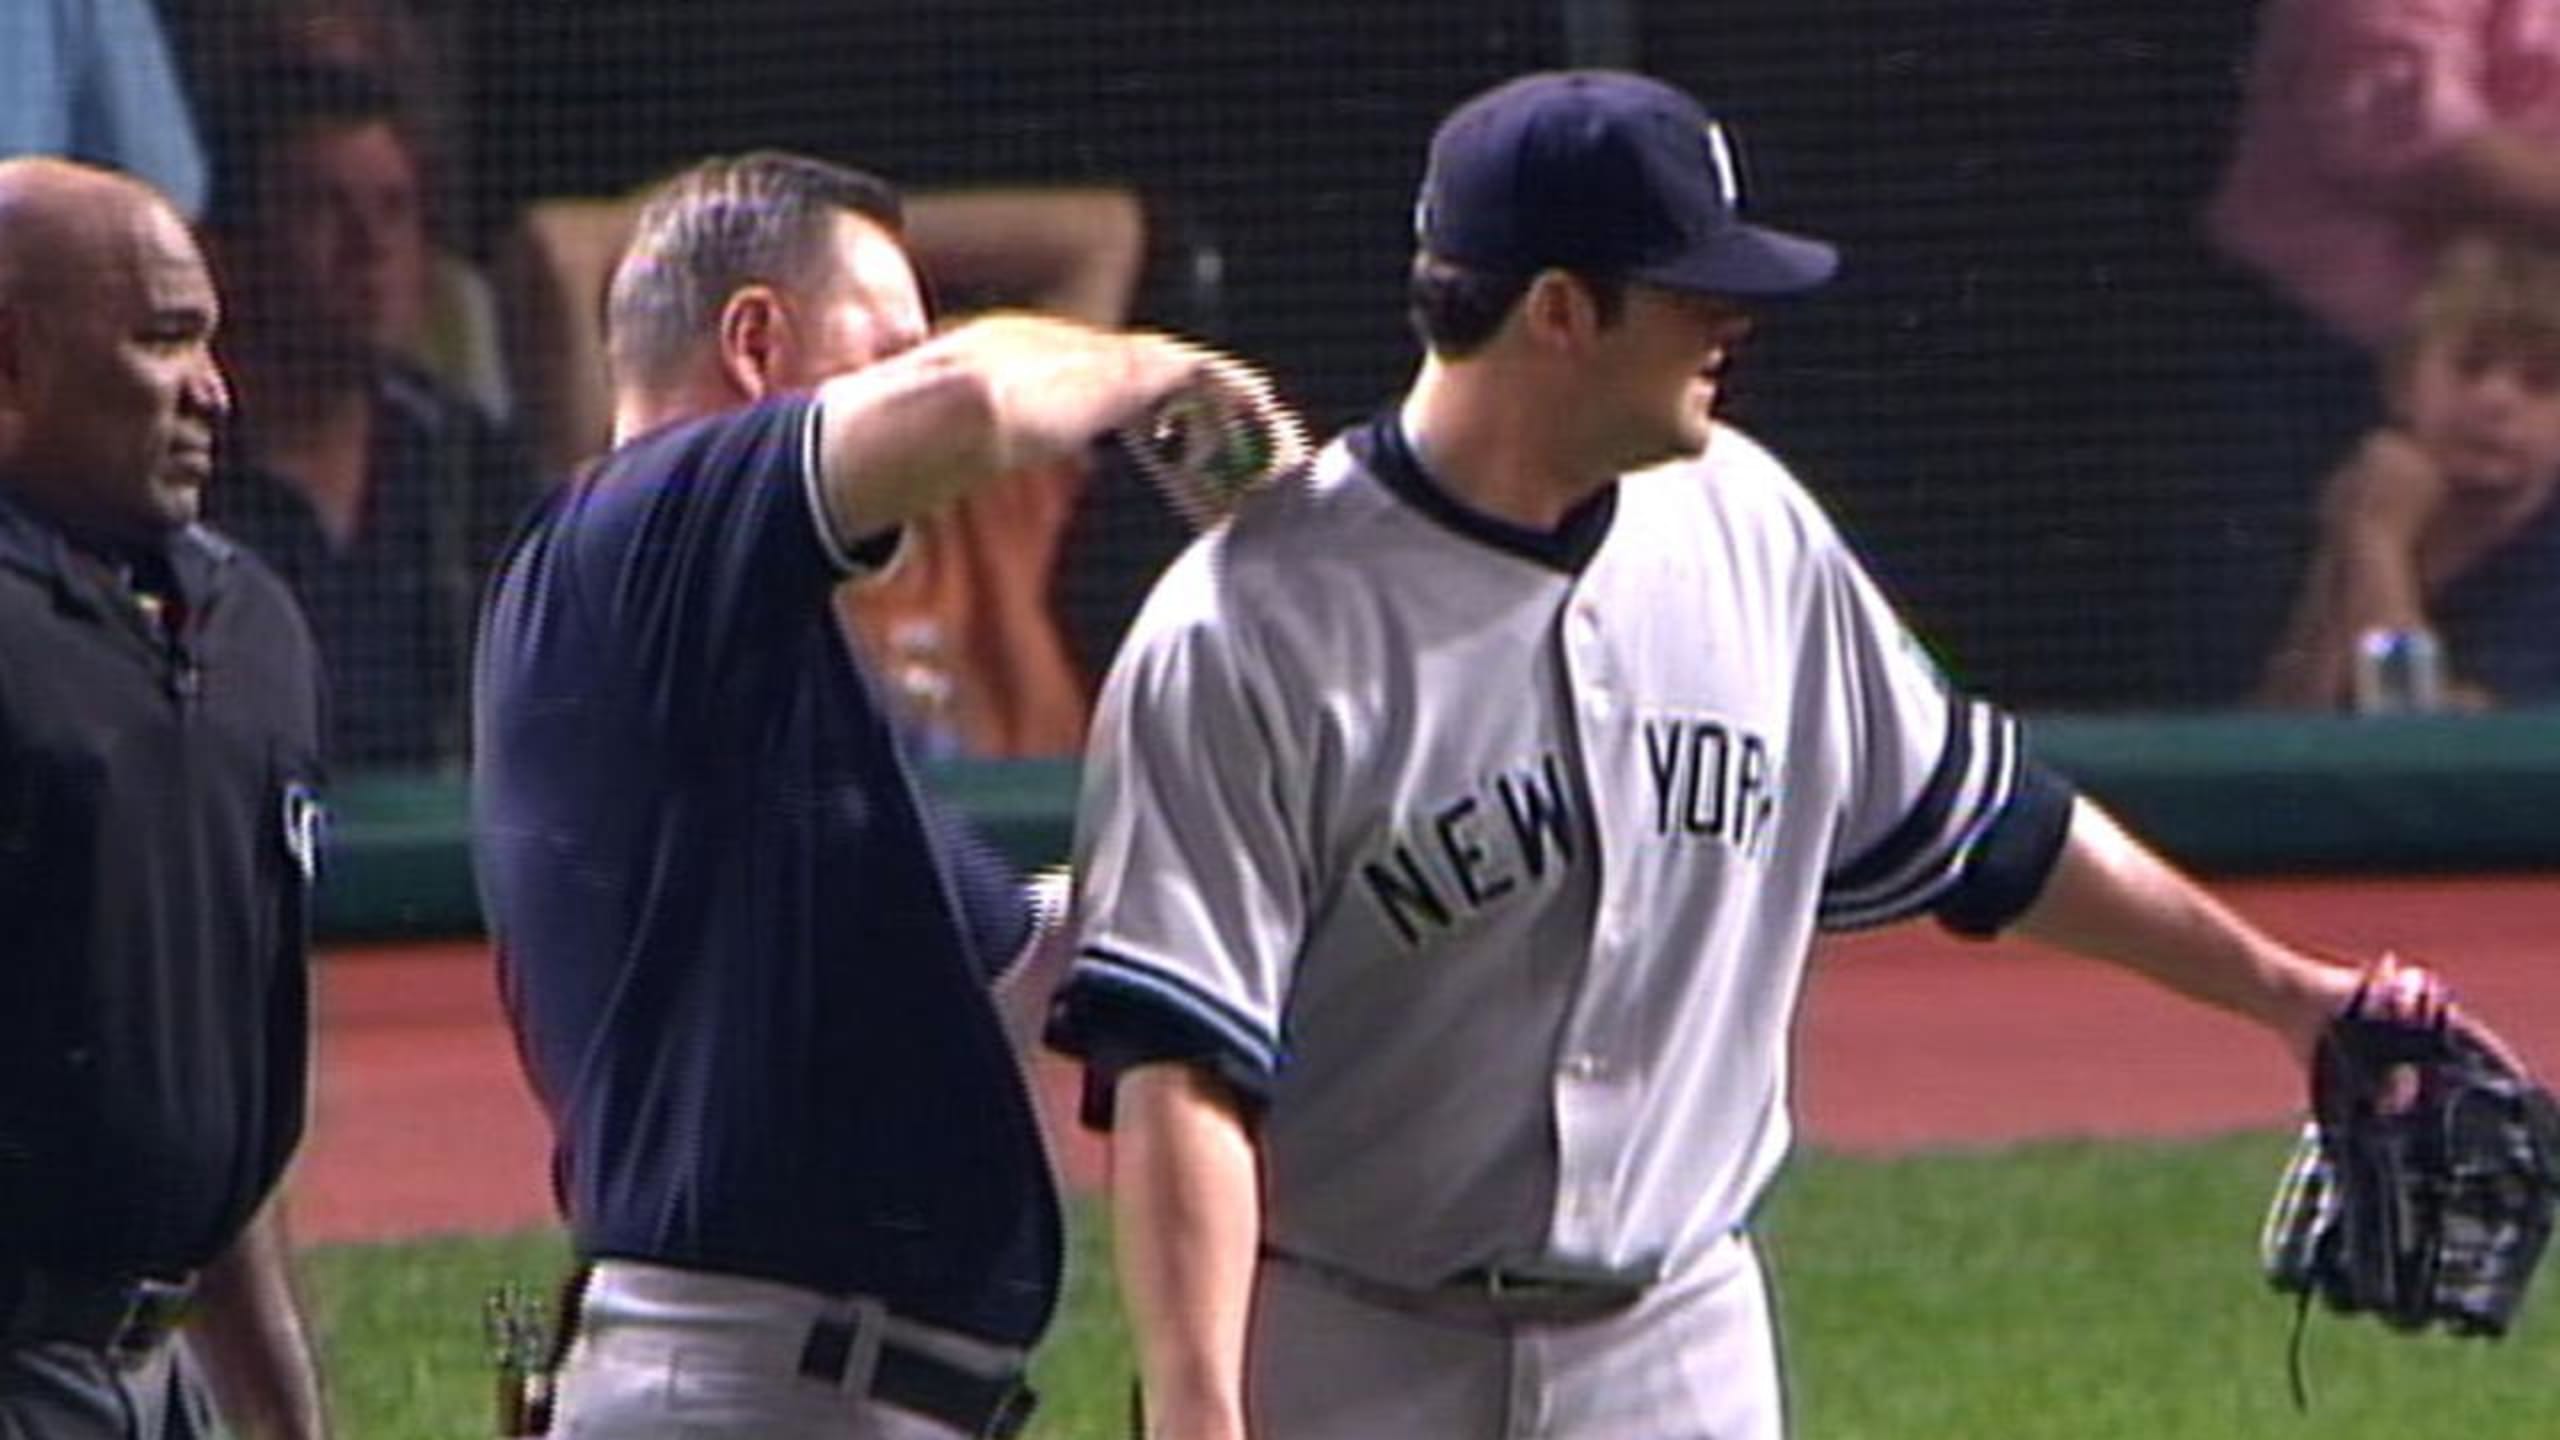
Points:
(251, 1339)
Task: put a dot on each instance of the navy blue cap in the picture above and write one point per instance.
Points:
(1607, 173)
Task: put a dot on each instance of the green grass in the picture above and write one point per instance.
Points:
(2068, 1290)
(2095, 1290)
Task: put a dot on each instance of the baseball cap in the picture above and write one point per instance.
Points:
(1606, 172)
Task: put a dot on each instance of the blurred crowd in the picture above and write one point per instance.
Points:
(399, 403)
(2393, 175)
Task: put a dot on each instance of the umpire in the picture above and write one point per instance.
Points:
(159, 720)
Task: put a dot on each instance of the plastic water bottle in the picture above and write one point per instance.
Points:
(2398, 672)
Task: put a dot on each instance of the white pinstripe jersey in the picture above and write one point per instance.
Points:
(1505, 873)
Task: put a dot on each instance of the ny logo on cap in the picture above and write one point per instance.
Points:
(1720, 157)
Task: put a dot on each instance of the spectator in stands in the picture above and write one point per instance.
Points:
(388, 37)
(91, 80)
(379, 492)
(2372, 131)
(230, 43)
(2443, 518)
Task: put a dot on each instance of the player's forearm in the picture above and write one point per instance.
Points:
(905, 437)
(251, 1339)
(2110, 898)
(1186, 1206)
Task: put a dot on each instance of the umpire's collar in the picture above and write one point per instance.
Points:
(198, 558)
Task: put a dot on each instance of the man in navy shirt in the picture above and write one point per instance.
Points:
(751, 966)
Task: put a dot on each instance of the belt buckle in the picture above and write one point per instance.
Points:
(1506, 1285)
(1557, 1292)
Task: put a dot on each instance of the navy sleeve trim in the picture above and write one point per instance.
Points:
(1116, 1013)
(1102, 971)
(812, 485)
(2016, 856)
(871, 554)
(1905, 873)
(1109, 1060)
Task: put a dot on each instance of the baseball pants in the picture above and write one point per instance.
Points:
(1695, 1359)
(76, 1392)
(668, 1354)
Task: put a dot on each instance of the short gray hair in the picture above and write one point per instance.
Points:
(761, 218)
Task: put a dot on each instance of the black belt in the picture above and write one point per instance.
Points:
(995, 1407)
(125, 1314)
(1530, 1293)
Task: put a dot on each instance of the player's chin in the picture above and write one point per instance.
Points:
(1698, 421)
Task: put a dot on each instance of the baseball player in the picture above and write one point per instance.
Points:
(1456, 821)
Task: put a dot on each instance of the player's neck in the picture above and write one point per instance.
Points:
(705, 383)
(1493, 452)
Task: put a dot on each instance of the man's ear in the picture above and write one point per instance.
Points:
(755, 328)
(1557, 310)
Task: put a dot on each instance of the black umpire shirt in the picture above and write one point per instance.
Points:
(745, 957)
(159, 763)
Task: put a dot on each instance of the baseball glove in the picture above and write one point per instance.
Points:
(2423, 1188)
